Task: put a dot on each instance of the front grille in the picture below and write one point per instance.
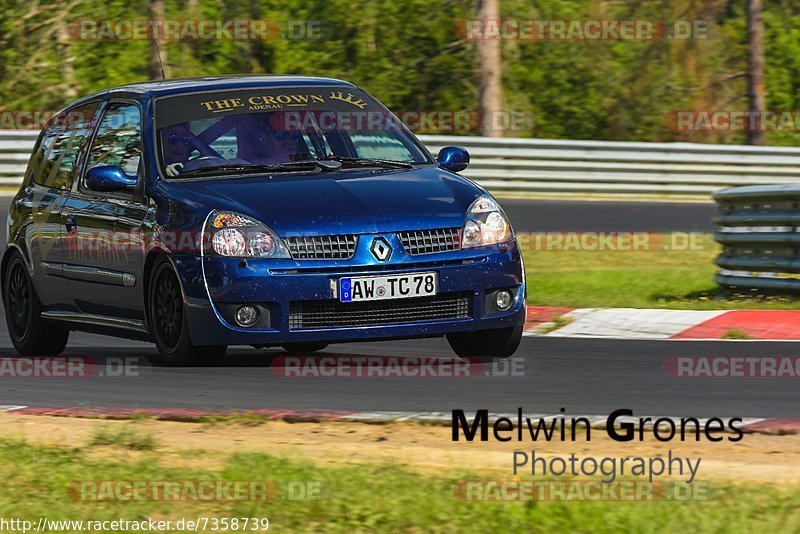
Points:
(322, 247)
(332, 313)
(427, 241)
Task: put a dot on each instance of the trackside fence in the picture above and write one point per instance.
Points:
(536, 166)
(606, 167)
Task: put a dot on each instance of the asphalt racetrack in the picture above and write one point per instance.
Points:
(584, 376)
(528, 215)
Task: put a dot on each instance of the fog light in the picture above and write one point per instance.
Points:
(503, 299)
(246, 315)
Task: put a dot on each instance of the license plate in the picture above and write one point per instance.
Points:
(397, 286)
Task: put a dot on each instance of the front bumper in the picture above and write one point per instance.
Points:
(214, 286)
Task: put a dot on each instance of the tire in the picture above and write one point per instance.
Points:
(303, 348)
(168, 325)
(29, 333)
(486, 346)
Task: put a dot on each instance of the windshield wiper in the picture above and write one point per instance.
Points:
(369, 162)
(306, 164)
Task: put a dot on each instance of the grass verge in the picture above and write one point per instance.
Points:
(128, 437)
(657, 278)
(360, 497)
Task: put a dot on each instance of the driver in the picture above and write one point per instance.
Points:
(176, 143)
(270, 139)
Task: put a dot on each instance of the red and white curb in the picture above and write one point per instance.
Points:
(748, 424)
(634, 323)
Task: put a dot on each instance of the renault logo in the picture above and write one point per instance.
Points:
(381, 249)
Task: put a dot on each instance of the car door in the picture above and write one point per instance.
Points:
(53, 169)
(103, 261)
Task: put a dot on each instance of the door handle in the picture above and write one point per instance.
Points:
(71, 224)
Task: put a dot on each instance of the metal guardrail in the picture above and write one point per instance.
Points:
(608, 167)
(759, 229)
(509, 165)
(15, 150)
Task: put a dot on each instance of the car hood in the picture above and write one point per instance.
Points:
(338, 202)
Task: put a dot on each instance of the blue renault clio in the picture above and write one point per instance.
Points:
(264, 211)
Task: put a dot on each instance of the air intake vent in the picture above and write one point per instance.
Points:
(324, 247)
(332, 313)
(428, 241)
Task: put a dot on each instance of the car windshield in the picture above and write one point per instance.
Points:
(259, 129)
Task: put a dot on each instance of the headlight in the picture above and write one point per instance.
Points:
(240, 236)
(486, 224)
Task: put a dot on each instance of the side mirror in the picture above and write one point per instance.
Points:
(108, 179)
(453, 158)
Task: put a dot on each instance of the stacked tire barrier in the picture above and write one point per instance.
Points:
(759, 229)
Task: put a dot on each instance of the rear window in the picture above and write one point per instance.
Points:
(54, 160)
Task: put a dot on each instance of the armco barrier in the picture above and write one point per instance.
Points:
(759, 229)
(15, 149)
(607, 167)
(510, 165)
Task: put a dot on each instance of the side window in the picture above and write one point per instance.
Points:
(379, 145)
(224, 144)
(54, 164)
(119, 139)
